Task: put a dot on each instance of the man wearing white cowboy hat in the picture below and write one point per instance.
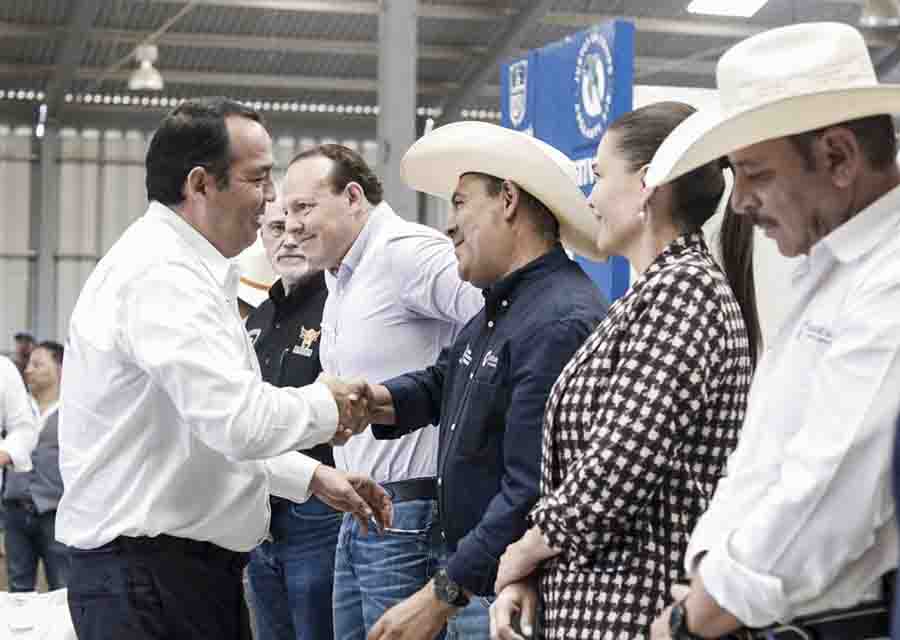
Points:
(513, 199)
(801, 531)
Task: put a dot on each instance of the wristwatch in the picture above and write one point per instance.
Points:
(678, 623)
(448, 591)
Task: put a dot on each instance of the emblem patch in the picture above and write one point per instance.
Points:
(593, 81)
(466, 358)
(518, 92)
(308, 338)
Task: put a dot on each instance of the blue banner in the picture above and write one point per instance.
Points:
(566, 94)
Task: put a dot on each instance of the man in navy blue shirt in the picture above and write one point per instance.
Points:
(513, 199)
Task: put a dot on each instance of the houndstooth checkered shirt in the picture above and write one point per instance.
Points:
(636, 434)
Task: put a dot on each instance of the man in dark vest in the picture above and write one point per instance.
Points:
(30, 497)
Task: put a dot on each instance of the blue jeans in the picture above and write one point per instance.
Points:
(31, 537)
(374, 573)
(291, 577)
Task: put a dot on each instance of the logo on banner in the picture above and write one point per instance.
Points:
(594, 79)
(518, 92)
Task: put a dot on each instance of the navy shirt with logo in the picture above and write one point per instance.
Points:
(286, 332)
(487, 392)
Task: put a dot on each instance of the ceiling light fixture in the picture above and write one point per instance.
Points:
(880, 14)
(146, 77)
(731, 8)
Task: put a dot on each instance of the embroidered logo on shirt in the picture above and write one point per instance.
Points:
(490, 360)
(466, 358)
(254, 335)
(308, 337)
(816, 332)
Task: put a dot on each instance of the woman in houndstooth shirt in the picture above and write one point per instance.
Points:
(639, 424)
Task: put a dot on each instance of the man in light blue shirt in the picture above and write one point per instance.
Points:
(394, 300)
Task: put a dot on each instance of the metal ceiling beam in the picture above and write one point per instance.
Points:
(70, 53)
(239, 42)
(348, 7)
(505, 44)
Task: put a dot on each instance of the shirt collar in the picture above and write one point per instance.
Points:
(499, 296)
(864, 231)
(301, 293)
(692, 241)
(49, 412)
(223, 270)
(354, 256)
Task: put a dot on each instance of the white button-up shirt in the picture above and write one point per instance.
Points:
(804, 520)
(394, 303)
(16, 418)
(165, 421)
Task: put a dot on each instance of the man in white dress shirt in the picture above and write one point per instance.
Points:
(395, 299)
(801, 530)
(170, 441)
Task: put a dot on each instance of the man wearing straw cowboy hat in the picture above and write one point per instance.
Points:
(800, 534)
(513, 199)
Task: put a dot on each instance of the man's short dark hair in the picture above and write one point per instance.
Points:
(543, 220)
(192, 135)
(346, 166)
(875, 134)
(24, 336)
(56, 350)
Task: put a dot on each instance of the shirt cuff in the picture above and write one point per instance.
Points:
(21, 459)
(473, 569)
(290, 475)
(754, 598)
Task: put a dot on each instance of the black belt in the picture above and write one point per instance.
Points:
(412, 489)
(858, 623)
(212, 553)
(21, 503)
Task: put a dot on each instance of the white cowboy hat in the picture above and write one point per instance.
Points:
(778, 83)
(436, 161)
(257, 275)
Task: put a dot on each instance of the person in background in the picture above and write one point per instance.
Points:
(640, 424)
(24, 344)
(514, 201)
(395, 299)
(31, 497)
(291, 575)
(800, 533)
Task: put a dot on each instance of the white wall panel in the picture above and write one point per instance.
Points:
(15, 229)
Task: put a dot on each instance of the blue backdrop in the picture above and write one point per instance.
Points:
(566, 94)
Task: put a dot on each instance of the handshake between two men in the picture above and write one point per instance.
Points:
(359, 404)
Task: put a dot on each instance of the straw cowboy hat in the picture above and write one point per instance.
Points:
(778, 83)
(256, 274)
(436, 161)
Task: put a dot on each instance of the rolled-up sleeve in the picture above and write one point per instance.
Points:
(830, 502)
(535, 365)
(19, 420)
(431, 283)
(175, 331)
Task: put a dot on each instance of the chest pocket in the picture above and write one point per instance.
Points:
(298, 369)
(480, 435)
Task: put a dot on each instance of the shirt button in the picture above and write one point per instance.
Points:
(453, 427)
(277, 325)
(491, 324)
(471, 375)
(267, 362)
(505, 303)
(439, 482)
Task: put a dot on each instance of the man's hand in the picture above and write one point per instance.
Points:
(352, 398)
(419, 617)
(517, 600)
(355, 494)
(5, 459)
(522, 558)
